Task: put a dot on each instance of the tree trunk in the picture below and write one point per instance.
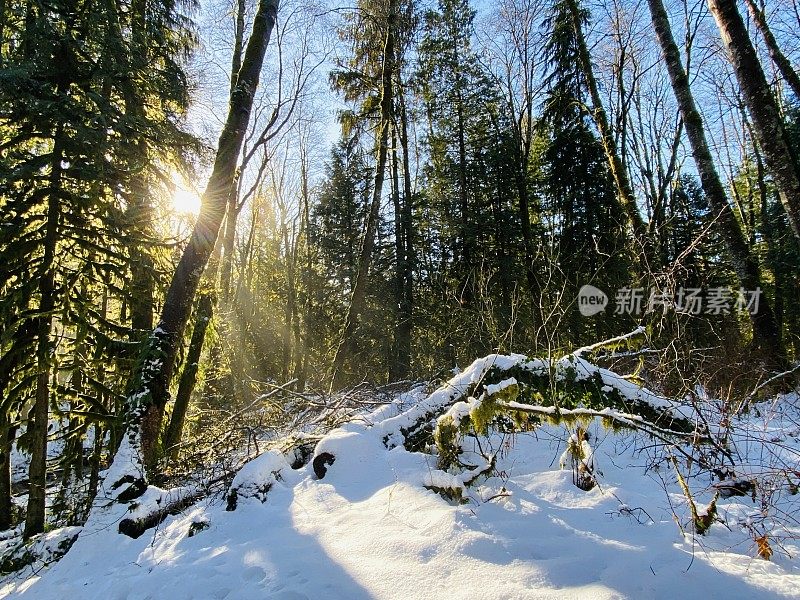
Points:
(9, 362)
(154, 374)
(406, 301)
(37, 426)
(778, 57)
(618, 169)
(7, 434)
(142, 286)
(203, 315)
(768, 125)
(290, 308)
(345, 349)
(765, 331)
(467, 235)
(228, 238)
(302, 332)
(399, 250)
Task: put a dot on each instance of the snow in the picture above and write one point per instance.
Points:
(495, 388)
(371, 529)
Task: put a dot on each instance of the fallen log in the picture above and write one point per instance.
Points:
(154, 510)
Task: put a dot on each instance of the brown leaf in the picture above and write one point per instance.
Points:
(764, 549)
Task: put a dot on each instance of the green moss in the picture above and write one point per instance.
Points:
(448, 441)
(703, 522)
(486, 410)
(453, 495)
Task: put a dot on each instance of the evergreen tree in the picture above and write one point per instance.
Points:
(83, 118)
(589, 225)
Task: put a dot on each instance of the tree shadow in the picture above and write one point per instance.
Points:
(255, 551)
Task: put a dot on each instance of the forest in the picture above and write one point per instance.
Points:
(244, 226)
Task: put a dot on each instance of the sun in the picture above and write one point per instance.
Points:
(185, 199)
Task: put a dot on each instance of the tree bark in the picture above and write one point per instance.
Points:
(779, 58)
(228, 239)
(154, 373)
(765, 330)
(768, 126)
(617, 167)
(345, 349)
(405, 307)
(203, 315)
(7, 434)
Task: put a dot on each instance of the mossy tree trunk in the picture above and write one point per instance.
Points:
(768, 126)
(152, 378)
(766, 334)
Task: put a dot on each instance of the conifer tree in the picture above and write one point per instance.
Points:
(70, 105)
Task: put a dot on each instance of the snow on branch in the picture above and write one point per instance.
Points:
(609, 342)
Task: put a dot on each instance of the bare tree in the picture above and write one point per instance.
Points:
(779, 154)
(765, 330)
(778, 57)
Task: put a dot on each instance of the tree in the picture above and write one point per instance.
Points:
(78, 144)
(471, 240)
(778, 57)
(571, 12)
(517, 51)
(765, 330)
(385, 67)
(780, 156)
(149, 392)
(589, 223)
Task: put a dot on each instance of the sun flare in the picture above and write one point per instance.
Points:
(185, 198)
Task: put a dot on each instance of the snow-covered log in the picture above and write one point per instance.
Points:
(537, 390)
(156, 505)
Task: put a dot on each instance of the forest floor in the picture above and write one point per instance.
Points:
(370, 529)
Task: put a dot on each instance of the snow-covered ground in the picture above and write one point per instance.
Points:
(370, 529)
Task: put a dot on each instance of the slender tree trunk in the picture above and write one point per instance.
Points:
(467, 235)
(142, 286)
(406, 308)
(525, 220)
(779, 154)
(290, 308)
(238, 42)
(155, 372)
(399, 250)
(228, 239)
(619, 170)
(203, 315)
(9, 362)
(779, 58)
(7, 434)
(302, 332)
(765, 330)
(345, 349)
(37, 426)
